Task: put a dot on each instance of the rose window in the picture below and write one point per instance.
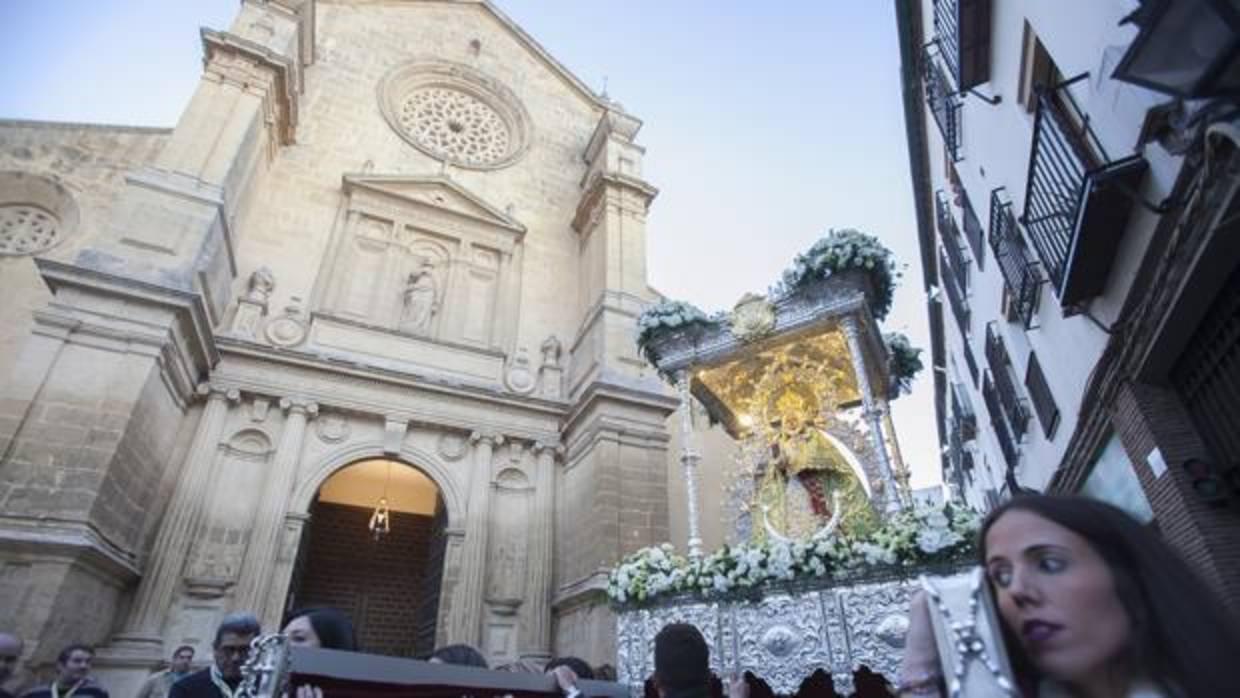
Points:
(455, 125)
(26, 229)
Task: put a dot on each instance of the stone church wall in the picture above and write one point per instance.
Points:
(89, 162)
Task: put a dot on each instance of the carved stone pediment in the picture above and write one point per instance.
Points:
(432, 192)
(420, 271)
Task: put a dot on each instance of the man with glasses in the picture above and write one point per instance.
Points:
(231, 649)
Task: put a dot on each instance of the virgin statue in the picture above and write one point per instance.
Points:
(807, 476)
(421, 300)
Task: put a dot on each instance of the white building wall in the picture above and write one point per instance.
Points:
(1081, 37)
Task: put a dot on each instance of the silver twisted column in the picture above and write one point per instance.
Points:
(689, 459)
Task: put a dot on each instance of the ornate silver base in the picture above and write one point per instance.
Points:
(783, 638)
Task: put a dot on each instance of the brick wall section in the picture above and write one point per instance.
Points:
(1146, 417)
(432, 580)
(379, 584)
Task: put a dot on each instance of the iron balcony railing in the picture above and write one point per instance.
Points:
(1021, 275)
(1014, 407)
(950, 235)
(961, 458)
(1076, 201)
(962, 415)
(973, 231)
(969, 360)
(962, 29)
(998, 424)
(955, 298)
(944, 103)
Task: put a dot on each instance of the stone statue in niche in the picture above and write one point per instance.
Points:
(262, 283)
(252, 307)
(551, 351)
(421, 300)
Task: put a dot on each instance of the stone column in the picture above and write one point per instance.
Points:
(263, 549)
(286, 564)
(689, 458)
(144, 626)
(467, 619)
(873, 414)
(537, 640)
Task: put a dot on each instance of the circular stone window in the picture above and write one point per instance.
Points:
(454, 113)
(36, 214)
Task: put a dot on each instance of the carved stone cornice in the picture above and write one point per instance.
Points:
(182, 339)
(65, 540)
(253, 67)
(595, 197)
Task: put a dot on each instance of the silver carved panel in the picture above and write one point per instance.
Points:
(783, 638)
(876, 617)
(780, 639)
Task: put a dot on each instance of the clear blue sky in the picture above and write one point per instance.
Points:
(765, 123)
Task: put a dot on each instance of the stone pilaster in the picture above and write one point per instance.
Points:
(261, 554)
(536, 642)
(285, 563)
(467, 620)
(165, 564)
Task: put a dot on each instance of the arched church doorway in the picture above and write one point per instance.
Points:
(388, 582)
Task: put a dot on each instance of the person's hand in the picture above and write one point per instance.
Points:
(738, 687)
(566, 679)
(304, 691)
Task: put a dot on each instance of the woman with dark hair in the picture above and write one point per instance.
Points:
(1092, 605)
(460, 655)
(322, 627)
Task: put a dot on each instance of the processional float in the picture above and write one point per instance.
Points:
(827, 547)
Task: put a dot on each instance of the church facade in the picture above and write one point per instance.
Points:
(381, 232)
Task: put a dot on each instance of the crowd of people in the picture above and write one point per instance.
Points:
(1091, 604)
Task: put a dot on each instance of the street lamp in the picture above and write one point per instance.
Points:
(1186, 48)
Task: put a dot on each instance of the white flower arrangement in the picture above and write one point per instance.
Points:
(908, 539)
(669, 316)
(843, 250)
(905, 362)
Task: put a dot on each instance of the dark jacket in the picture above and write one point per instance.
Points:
(196, 685)
(89, 689)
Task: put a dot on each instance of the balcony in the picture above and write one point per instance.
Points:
(950, 234)
(963, 419)
(973, 232)
(998, 424)
(1077, 201)
(944, 103)
(1021, 274)
(962, 28)
(960, 308)
(1000, 364)
(961, 458)
(1043, 400)
(969, 360)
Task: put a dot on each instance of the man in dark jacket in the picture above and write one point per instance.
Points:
(231, 648)
(72, 676)
(10, 652)
(681, 662)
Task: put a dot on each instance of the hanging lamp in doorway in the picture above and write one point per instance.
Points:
(381, 520)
